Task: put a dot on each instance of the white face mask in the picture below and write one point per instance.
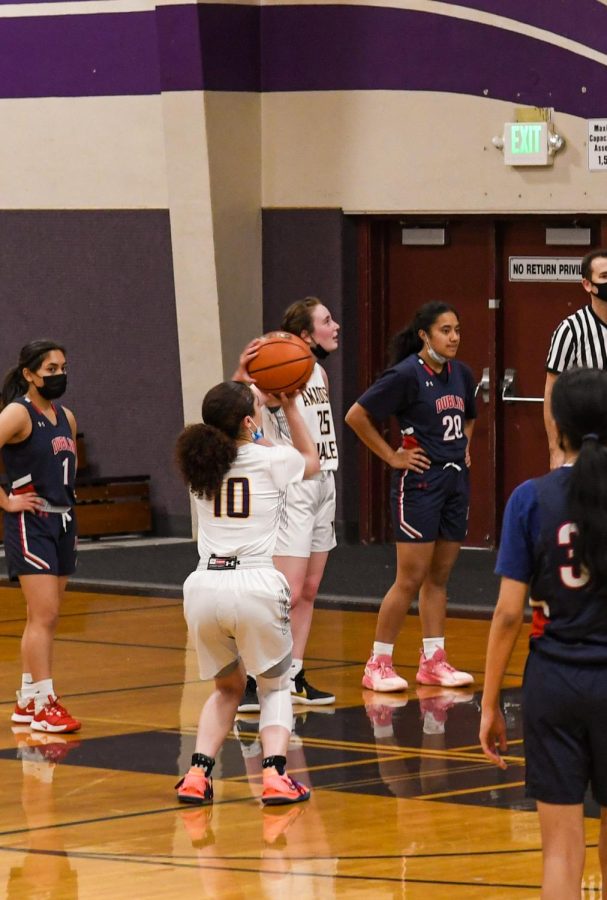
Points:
(438, 358)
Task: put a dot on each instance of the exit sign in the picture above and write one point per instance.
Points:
(526, 144)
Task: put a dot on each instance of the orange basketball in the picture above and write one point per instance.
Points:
(283, 363)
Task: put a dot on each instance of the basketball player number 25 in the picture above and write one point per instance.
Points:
(453, 427)
(238, 501)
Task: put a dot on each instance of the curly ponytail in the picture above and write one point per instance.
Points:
(206, 451)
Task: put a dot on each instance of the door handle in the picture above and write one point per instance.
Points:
(484, 385)
(509, 387)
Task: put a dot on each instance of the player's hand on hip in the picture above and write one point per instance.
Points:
(24, 503)
(414, 459)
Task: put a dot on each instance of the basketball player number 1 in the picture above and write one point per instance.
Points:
(66, 470)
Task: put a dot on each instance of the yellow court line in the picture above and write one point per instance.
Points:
(366, 748)
(477, 746)
(397, 779)
(477, 790)
(340, 765)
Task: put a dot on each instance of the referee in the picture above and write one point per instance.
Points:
(579, 340)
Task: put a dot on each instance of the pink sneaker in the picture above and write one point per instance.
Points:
(437, 670)
(380, 676)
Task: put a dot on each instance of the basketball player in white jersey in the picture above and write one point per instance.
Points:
(307, 525)
(236, 603)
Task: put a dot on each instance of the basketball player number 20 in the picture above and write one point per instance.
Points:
(237, 495)
(453, 427)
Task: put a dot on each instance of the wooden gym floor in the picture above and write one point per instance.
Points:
(404, 805)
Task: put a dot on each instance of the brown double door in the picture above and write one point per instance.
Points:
(506, 328)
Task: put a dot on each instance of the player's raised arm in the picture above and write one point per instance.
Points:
(300, 435)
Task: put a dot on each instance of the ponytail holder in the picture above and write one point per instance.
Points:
(591, 436)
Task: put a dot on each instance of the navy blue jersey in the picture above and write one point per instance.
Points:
(434, 406)
(45, 462)
(538, 548)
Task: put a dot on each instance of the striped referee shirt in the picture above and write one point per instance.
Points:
(580, 340)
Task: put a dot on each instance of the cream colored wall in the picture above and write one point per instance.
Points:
(386, 151)
(82, 153)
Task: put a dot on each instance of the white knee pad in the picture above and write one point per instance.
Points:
(275, 701)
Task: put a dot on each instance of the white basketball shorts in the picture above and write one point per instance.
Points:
(307, 524)
(238, 613)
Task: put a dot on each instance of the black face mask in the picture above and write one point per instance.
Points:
(320, 352)
(601, 290)
(54, 386)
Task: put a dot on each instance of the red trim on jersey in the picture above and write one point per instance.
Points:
(29, 557)
(25, 489)
(405, 526)
(538, 622)
(427, 368)
(41, 411)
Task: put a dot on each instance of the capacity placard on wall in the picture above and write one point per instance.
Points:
(545, 268)
(597, 145)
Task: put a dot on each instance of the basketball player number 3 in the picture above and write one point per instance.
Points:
(237, 499)
(453, 428)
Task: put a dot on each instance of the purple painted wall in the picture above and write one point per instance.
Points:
(314, 48)
(101, 283)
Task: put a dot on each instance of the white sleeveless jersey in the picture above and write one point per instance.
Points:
(315, 408)
(242, 520)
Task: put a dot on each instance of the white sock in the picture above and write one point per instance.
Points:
(44, 687)
(296, 667)
(380, 649)
(27, 686)
(432, 644)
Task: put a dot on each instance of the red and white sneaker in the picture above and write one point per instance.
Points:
(437, 670)
(280, 789)
(24, 709)
(380, 675)
(52, 716)
(195, 787)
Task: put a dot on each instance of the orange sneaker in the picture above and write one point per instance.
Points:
(195, 787)
(24, 709)
(279, 789)
(197, 823)
(276, 822)
(52, 716)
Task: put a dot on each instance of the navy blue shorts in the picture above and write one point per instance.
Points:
(430, 505)
(565, 730)
(40, 543)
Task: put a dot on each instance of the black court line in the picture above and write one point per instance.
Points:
(203, 864)
(88, 641)
(98, 612)
(117, 818)
(122, 690)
